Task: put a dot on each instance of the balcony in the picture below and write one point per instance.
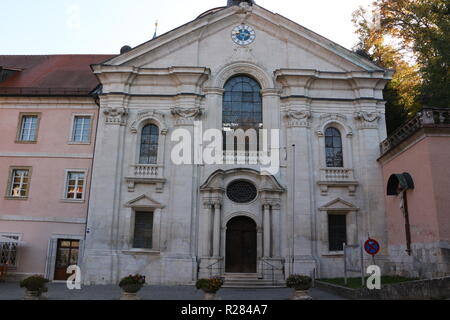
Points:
(427, 118)
(337, 177)
(146, 174)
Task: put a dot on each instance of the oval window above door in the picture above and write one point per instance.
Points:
(241, 191)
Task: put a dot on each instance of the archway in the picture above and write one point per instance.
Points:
(241, 248)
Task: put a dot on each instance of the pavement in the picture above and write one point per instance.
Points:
(59, 291)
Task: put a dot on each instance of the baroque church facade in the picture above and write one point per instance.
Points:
(238, 66)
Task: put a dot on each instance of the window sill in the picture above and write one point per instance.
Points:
(333, 254)
(79, 143)
(25, 142)
(72, 201)
(16, 198)
(141, 252)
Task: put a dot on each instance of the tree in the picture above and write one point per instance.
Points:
(423, 27)
(401, 93)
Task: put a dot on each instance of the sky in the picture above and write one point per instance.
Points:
(104, 26)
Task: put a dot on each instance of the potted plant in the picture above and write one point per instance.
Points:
(301, 284)
(210, 287)
(35, 286)
(131, 286)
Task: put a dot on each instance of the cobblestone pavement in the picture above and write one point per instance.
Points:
(59, 291)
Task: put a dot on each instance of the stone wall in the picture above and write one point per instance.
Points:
(438, 288)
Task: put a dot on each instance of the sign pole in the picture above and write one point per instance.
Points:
(362, 265)
(345, 264)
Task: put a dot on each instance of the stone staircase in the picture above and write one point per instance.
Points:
(250, 281)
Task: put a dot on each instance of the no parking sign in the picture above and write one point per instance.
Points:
(372, 247)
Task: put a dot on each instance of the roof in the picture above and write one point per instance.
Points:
(60, 75)
(327, 44)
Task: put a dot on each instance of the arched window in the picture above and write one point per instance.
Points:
(149, 145)
(333, 146)
(242, 106)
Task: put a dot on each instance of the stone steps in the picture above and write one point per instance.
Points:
(250, 281)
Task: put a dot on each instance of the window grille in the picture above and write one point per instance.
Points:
(241, 192)
(8, 251)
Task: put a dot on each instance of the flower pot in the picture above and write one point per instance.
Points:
(130, 292)
(131, 288)
(210, 296)
(301, 295)
(32, 295)
(129, 296)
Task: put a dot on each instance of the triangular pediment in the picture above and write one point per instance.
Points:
(201, 41)
(338, 205)
(144, 201)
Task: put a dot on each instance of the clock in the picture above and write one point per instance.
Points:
(243, 35)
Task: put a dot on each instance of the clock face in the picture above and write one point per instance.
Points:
(243, 35)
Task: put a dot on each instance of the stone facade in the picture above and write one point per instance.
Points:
(308, 84)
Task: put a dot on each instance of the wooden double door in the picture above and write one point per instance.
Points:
(66, 255)
(241, 246)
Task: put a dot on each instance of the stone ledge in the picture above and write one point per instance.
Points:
(438, 288)
(141, 252)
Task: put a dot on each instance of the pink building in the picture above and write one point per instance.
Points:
(48, 116)
(416, 171)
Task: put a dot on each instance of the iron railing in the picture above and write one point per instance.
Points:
(211, 267)
(272, 269)
(427, 118)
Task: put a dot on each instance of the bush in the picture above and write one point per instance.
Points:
(299, 282)
(137, 279)
(34, 283)
(210, 285)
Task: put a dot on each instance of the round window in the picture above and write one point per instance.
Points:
(241, 191)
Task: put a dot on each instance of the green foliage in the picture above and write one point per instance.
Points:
(401, 92)
(423, 27)
(411, 37)
(34, 283)
(211, 285)
(299, 282)
(132, 280)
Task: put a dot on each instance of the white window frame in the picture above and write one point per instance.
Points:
(20, 128)
(66, 184)
(72, 128)
(19, 238)
(9, 191)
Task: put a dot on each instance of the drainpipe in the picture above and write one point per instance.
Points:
(293, 213)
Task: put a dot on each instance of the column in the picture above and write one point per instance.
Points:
(216, 231)
(275, 229)
(300, 218)
(266, 208)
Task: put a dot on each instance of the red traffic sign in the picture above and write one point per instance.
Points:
(372, 247)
